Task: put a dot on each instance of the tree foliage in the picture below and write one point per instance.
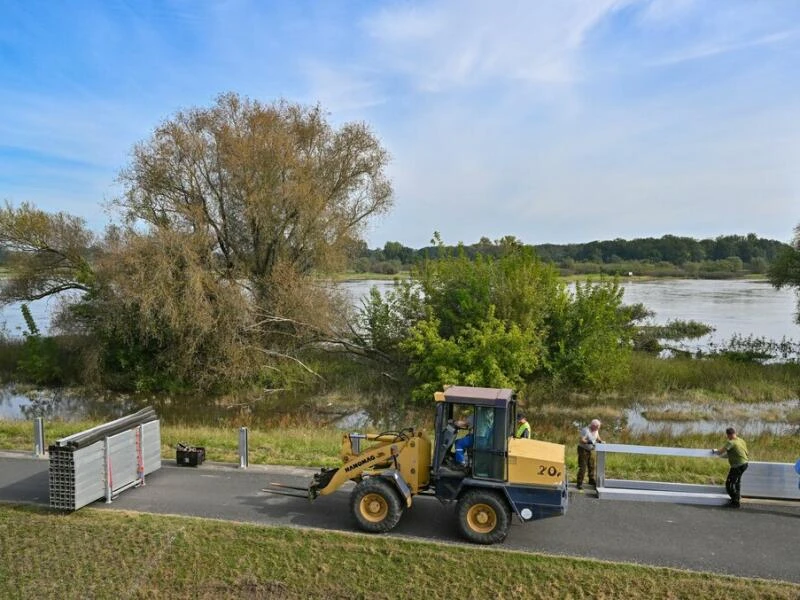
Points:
(230, 214)
(677, 256)
(588, 335)
(488, 353)
(785, 270)
(274, 186)
(500, 323)
(46, 253)
(159, 318)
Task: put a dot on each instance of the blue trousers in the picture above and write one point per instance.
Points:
(461, 446)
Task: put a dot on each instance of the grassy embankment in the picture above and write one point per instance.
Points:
(145, 556)
(104, 554)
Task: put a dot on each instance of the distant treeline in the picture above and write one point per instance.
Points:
(670, 255)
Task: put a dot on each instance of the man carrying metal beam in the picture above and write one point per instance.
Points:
(735, 449)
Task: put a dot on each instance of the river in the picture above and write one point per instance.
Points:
(731, 307)
(746, 308)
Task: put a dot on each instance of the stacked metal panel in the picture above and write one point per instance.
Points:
(76, 475)
(105, 460)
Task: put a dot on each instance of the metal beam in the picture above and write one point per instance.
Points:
(761, 480)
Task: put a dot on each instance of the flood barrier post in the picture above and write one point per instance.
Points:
(600, 476)
(38, 436)
(243, 450)
(109, 482)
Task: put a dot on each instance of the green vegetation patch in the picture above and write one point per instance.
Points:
(102, 554)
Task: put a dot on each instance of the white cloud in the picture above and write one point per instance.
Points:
(706, 49)
(342, 90)
(469, 43)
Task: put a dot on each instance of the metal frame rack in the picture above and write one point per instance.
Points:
(105, 460)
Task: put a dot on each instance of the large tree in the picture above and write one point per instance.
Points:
(231, 214)
(242, 201)
(275, 186)
(785, 269)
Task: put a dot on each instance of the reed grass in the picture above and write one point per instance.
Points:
(654, 379)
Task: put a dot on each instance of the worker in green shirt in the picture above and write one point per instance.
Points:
(735, 449)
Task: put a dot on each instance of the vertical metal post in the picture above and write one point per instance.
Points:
(140, 454)
(600, 478)
(243, 450)
(38, 436)
(109, 483)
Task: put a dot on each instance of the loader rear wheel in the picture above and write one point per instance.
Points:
(483, 517)
(375, 505)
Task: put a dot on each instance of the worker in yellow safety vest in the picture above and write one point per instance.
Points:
(523, 427)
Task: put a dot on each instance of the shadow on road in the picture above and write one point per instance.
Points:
(427, 519)
(34, 489)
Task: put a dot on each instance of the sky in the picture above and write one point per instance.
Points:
(554, 121)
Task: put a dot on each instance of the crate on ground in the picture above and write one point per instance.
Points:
(190, 456)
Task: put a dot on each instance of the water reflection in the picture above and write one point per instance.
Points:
(79, 405)
(71, 405)
(62, 404)
(678, 418)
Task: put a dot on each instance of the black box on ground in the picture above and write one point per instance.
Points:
(190, 456)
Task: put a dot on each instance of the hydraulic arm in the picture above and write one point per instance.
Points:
(406, 452)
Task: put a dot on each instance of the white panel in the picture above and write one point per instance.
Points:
(661, 496)
(655, 450)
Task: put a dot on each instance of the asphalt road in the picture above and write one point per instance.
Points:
(759, 540)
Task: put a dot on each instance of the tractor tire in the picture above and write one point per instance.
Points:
(376, 505)
(483, 516)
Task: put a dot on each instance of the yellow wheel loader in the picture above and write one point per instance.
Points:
(473, 461)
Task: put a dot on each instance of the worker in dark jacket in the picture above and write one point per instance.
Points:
(523, 427)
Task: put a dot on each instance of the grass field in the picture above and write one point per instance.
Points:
(103, 554)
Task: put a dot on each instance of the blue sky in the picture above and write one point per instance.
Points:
(553, 121)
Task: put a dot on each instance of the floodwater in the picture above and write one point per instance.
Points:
(737, 307)
(751, 419)
(746, 308)
(731, 307)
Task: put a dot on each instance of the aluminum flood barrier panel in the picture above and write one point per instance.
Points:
(770, 480)
(761, 480)
(103, 461)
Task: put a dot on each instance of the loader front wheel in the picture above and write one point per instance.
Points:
(375, 505)
(483, 517)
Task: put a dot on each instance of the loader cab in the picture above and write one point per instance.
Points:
(491, 413)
